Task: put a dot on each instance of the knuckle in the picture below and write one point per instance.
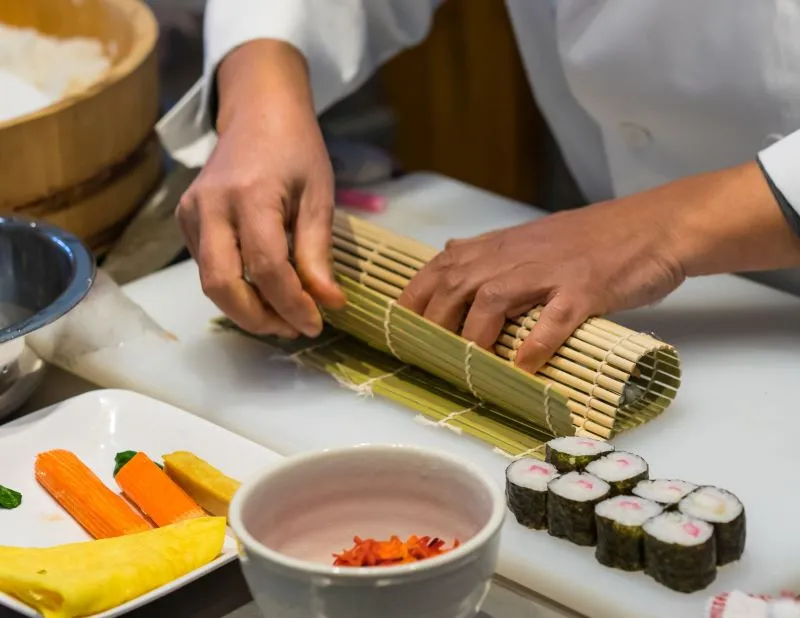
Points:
(562, 312)
(240, 189)
(214, 285)
(492, 293)
(453, 281)
(262, 268)
(186, 204)
(446, 260)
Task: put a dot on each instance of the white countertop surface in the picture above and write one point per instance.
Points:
(733, 423)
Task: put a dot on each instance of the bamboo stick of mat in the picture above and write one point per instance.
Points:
(604, 379)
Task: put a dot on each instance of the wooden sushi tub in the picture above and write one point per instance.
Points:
(88, 161)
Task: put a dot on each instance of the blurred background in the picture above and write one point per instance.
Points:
(459, 104)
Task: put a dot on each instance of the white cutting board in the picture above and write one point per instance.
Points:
(735, 422)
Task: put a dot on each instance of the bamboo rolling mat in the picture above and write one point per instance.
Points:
(603, 380)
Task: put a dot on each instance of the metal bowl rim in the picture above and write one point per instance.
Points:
(83, 275)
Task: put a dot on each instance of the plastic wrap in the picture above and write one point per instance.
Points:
(106, 319)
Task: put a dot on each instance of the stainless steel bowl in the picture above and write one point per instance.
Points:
(44, 273)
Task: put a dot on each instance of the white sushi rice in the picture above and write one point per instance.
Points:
(628, 510)
(531, 473)
(37, 70)
(711, 504)
(678, 529)
(20, 98)
(579, 487)
(617, 466)
(665, 491)
(579, 446)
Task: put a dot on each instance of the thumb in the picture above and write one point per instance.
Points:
(312, 247)
(558, 320)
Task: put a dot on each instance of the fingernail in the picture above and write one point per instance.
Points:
(313, 331)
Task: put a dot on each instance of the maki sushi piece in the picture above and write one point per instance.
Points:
(574, 453)
(621, 470)
(571, 500)
(680, 552)
(726, 513)
(667, 492)
(526, 490)
(620, 538)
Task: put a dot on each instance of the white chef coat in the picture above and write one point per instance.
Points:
(636, 92)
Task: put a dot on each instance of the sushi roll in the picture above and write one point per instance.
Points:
(621, 470)
(526, 490)
(725, 512)
(574, 453)
(571, 499)
(666, 492)
(680, 552)
(620, 539)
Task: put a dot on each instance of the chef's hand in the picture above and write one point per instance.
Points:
(604, 258)
(270, 174)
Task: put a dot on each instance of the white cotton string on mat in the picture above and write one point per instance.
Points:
(447, 421)
(606, 378)
(364, 389)
(468, 369)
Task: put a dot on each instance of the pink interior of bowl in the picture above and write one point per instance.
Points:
(314, 508)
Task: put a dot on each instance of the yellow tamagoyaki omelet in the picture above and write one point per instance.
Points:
(206, 485)
(81, 579)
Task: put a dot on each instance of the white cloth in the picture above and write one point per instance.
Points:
(636, 92)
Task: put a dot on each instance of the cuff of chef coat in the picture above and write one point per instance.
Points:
(781, 166)
(283, 20)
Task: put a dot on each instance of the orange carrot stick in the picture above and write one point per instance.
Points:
(156, 495)
(100, 511)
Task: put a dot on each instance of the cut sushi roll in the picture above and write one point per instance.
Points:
(621, 470)
(526, 490)
(620, 539)
(574, 453)
(666, 492)
(726, 513)
(680, 551)
(570, 507)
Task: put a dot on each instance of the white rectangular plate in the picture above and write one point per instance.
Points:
(96, 426)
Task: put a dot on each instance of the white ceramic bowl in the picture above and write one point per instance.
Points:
(291, 518)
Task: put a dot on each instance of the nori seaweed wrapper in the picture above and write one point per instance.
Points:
(572, 520)
(621, 487)
(731, 539)
(528, 506)
(619, 546)
(681, 568)
(625, 487)
(564, 462)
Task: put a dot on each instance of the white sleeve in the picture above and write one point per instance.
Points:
(781, 162)
(343, 41)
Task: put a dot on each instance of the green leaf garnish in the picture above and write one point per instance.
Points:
(9, 499)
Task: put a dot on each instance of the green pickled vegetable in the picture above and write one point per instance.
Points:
(9, 499)
(124, 457)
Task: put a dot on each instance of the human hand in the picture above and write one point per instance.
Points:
(269, 174)
(608, 257)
